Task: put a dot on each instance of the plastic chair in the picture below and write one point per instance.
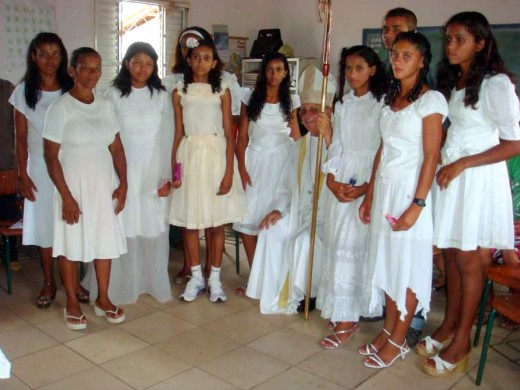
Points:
(508, 306)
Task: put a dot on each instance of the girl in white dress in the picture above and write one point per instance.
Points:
(86, 162)
(45, 80)
(179, 52)
(140, 101)
(207, 194)
(397, 203)
(344, 289)
(473, 209)
(268, 127)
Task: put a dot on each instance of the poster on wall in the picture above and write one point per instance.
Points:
(20, 21)
(221, 38)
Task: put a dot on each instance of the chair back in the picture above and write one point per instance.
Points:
(8, 182)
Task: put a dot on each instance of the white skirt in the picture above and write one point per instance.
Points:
(475, 210)
(196, 205)
(37, 215)
(400, 260)
(264, 166)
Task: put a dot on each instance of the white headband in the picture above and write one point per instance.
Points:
(193, 32)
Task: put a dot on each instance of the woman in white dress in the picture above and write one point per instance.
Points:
(397, 203)
(268, 128)
(45, 80)
(344, 290)
(179, 52)
(140, 101)
(473, 209)
(86, 162)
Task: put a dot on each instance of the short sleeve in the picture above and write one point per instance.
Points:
(501, 105)
(246, 95)
(113, 116)
(17, 99)
(225, 84)
(295, 100)
(234, 88)
(336, 148)
(54, 121)
(433, 102)
(179, 86)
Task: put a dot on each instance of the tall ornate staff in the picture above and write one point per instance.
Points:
(325, 67)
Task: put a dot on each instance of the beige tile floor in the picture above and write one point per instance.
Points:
(201, 345)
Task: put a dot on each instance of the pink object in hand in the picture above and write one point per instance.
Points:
(177, 174)
(391, 220)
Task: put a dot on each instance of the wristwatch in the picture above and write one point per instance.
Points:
(419, 202)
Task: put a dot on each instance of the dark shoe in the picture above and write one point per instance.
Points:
(374, 319)
(413, 336)
(301, 306)
(83, 296)
(44, 301)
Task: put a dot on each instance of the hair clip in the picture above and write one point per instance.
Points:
(191, 43)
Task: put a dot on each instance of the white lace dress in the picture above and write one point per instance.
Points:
(266, 155)
(402, 260)
(476, 208)
(148, 144)
(37, 215)
(344, 290)
(202, 153)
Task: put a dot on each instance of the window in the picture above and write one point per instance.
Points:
(119, 23)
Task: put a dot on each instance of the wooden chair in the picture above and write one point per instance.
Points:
(8, 186)
(508, 306)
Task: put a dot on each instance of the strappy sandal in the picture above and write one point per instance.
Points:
(331, 325)
(241, 291)
(374, 361)
(444, 368)
(431, 346)
(337, 342)
(43, 301)
(369, 349)
(83, 296)
(78, 323)
(112, 316)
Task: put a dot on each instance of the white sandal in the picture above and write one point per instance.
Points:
(431, 346)
(443, 368)
(337, 342)
(367, 349)
(80, 325)
(379, 363)
(115, 319)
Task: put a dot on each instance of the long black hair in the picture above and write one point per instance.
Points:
(215, 74)
(123, 80)
(378, 83)
(179, 63)
(32, 76)
(485, 63)
(259, 95)
(423, 45)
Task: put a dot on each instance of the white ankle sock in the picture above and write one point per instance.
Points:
(196, 271)
(215, 273)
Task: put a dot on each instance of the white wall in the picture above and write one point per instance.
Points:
(295, 18)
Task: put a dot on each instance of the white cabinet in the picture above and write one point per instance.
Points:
(251, 67)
